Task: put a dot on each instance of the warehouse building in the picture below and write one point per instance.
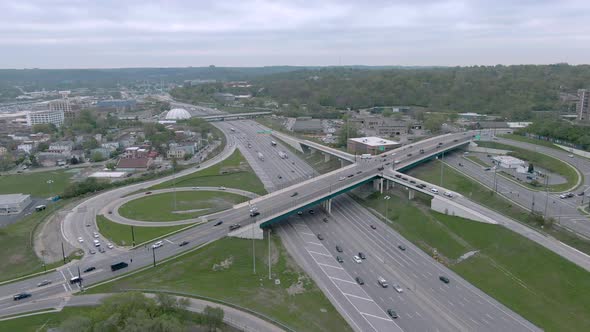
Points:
(12, 204)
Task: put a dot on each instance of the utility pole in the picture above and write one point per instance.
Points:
(63, 252)
(269, 263)
(441, 168)
(547, 194)
(132, 236)
(495, 181)
(154, 255)
(174, 181)
(386, 199)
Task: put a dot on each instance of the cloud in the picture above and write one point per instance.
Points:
(109, 33)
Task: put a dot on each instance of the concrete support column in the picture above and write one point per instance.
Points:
(312, 151)
(411, 194)
(342, 163)
(376, 184)
(326, 157)
(329, 206)
(381, 185)
(387, 182)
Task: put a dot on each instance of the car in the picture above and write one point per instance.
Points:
(342, 178)
(157, 244)
(487, 168)
(101, 249)
(398, 176)
(381, 281)
(434, 190)
(460, 165)
(397, 288)
(95, 234)
(110, 212)
(254, 213)
(234, 227)
(21, 296)
(325, 220)
(402, 247)
(280, 177)
(421, 151)
(183, 243)
(392, 313)
(196, 188)
(222, 188)
(91, 251)
(338, 248)
(44, 283)
(97, 244)
(359, 172)
(444, 279)
(311, 211)
(357, 259)
(299, 213)
(359, 281)
(570, 155)
(404, 178)
(448, 194)
(218, 223)
(294, 194)
(339, 259)
(581, 193)
(80, 239)
(412, 181)
(570, 195)
(455, 140)
(320, 237)
(396, 161)
(380, 168)
(388, 163)
(148, 192)
(409, 154)
(110, 245)
(373, 227)
(350, 175)
(89, 269)
(362, 256)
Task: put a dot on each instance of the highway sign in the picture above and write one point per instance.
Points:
(264, 132)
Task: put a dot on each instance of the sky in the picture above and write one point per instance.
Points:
(180, 33)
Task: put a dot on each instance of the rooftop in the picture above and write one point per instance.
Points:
(373, 141)
(13, 198)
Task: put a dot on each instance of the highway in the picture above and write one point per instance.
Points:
(426, 304)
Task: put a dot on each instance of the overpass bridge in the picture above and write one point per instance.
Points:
(380, 170)
(234, 116)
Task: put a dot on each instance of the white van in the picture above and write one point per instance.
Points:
(382, 282)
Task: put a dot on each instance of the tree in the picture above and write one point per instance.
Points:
(74, 160)
(213, 317)
(6, 163)
(42, 147)
(111, 166)
(388, 112)
(96, 156)
(46, 128)
(434, 122)
(531, 168)
(90, 143)
(348, 130)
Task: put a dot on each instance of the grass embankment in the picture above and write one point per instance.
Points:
(233, 172)
(160, 207)
(549, 163)
(35, 183)
(457, 182)
(223, 270)
(121, 234)
(530, 140)
(541, 286)
(42, 322)
(18, 254)
(478, 161)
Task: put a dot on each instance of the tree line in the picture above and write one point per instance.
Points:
(552, 130)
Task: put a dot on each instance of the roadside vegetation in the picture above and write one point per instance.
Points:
(121, 234)
(526, 139)
(549, 163)
(189, 204)
(233, 172)
(541, 286)
(223, 270)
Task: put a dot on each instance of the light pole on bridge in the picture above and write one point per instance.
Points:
(386, 199)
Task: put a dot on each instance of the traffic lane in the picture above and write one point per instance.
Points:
(352, 294)
(415, 314)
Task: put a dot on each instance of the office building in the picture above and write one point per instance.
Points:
(55, 117)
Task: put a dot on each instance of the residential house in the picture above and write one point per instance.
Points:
(134, 164)
(179, 151)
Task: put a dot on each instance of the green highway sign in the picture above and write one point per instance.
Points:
(264, 132)
(381, 148)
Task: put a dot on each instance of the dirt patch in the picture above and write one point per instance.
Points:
(48, 239)
(298, 287)
(224, 265)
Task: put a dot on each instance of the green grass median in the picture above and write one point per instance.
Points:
(543, 287)
(233, 172)
(192, 204)
(35, 183)
(223, 270)
(121, 234)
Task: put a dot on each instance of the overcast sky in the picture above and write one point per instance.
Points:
(178, 33)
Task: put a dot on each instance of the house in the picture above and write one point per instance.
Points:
(50, 159)
(3, 151)
(63, 147)
(135, 152)
(179, 151)
(26, 146)
(134, 164)
(110, 145)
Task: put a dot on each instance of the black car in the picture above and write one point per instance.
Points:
(92, 268)
(254, 213)
(402, 247)
(412, 181)
(360, 281)
(581, 193)
(338, 249)
(373, 227)
(392, 313)
(339, 259)
(362, 256)
(387, 164)
(218, 223)
(325, 220)
(409, 154)
(280, 177)
(398, 176)
(183, 243)
(350, 175)
(359, 172)
(294, 194)
(21, 296)
(311, 211)
(444, 279)
(380, 168)
(320, 237)
(455, 140)
(299, 213)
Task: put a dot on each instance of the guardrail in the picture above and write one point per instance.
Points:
(211, 299)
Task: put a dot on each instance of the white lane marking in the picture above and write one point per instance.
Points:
(306, 233)
(473, 320)
(371, 315)
(332, 266)
(169, 241)
(347, 281)
(65, 288)
(318, 253)
(358, 297)
(315, 243)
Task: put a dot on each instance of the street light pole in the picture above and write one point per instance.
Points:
(154, 255)
(132, 236)
(269, 263)
(386, 198)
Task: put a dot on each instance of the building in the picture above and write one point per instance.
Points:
(220, 96)
(13, 203)
(26, 146)
(582, 105)
(508, 162)
(117, 104)
(3, 151)
(178, 114)
(371, 145)
(64, 105)
(179, 151)
(55, 117)
(309, 126)
(51, 159)
(134, 164)
(135, 152)
(63, 147)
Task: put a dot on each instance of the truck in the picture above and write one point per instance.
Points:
(273, 143)
(283, 155)
(260, 156)
(366, 156)
(118, 266)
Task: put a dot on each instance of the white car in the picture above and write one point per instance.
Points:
(342, 178)
(398, 288)
(221, 188)
(110, 245)
(397, 162)
(448, 194)
(434, 190)
(95, 235)
(80, 239)
(157, 244)
(570, 155)
(357, 259)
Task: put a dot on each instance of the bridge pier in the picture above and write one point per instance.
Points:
(411, 194)
(312, 151)
(327, 205)
(326, 157)
(378, 185)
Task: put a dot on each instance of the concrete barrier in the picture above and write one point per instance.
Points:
(449, 207)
